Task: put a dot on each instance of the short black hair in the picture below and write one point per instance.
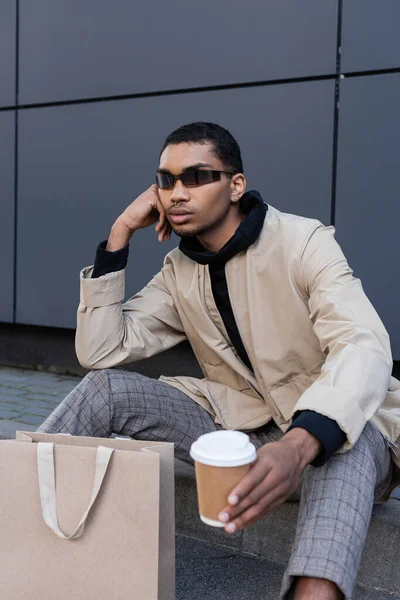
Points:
(224, 144)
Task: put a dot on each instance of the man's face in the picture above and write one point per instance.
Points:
(207, 205)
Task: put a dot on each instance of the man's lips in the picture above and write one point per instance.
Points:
(179, 214)
(180, 217)
(179, 211)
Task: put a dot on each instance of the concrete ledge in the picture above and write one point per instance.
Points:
(272, 537)
(53, 349)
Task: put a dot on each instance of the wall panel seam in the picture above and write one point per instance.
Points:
(192, 90)
(201, 89)
(336, 112)
(14, 317)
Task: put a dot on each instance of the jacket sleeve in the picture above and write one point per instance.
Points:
(355, 377)
(111, 332)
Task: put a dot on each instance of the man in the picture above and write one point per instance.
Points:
(291, 349)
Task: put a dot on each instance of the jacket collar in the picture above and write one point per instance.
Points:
(246, 234)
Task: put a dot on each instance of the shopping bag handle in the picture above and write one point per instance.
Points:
(47, 486)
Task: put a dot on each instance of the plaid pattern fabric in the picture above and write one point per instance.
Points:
(126, 403)
(335, 511)
(336, 499)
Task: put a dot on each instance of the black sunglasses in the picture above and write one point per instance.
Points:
(166, 181)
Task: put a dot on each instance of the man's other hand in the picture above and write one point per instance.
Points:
(272, 478)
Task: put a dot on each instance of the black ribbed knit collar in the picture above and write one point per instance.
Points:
(246, 234)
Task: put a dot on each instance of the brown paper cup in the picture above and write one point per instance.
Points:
(214, 484)
(222, 459)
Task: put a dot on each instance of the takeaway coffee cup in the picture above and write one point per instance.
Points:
(222, 459)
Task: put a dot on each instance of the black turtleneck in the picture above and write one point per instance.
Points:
(326, 430)
(252, 205)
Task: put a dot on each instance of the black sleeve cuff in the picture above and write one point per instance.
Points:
(326, 430)
(109, 262)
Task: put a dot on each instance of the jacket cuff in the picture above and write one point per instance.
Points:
(109, 262)
(339, 405)
(326, 430)
(103, 291)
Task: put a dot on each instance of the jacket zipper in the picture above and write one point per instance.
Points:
(394, 447)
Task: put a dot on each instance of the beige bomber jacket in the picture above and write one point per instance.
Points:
(312, 336)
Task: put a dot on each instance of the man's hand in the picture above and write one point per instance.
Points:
(273, 477)
(143, 212)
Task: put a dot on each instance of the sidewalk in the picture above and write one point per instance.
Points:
(28, 397)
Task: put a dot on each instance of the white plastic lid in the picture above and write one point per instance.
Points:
(223, 449)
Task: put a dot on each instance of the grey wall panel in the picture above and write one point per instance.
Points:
(368, 207)
(80, 165)
(370, 35)
(7, 134)
(7, 52)
(98, 48)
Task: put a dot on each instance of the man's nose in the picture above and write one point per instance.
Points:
(179, 192)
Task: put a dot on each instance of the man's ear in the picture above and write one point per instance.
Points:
(238, 185)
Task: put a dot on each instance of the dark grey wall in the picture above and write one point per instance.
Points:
(82, 160)
(7, 154)
(79, 166)
(370, 35)
(8, 22)
(99, 48)
(368, 202)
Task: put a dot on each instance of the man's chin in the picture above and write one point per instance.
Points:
(186, 233)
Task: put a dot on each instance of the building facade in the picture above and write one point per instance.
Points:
(89, 90)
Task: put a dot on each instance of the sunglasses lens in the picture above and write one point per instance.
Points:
(199, 177)
(165, 181)
(189, 179)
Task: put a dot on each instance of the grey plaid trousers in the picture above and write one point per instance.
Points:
(335, 500)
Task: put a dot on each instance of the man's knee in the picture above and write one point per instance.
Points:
(93, 378)
(111, 383)
(95, 383)
(96, 374)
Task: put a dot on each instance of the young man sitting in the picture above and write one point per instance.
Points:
(291, 350)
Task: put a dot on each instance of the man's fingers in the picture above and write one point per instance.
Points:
(251, 515)
(161, 220)
(271, 484)
(164, 232)
(256, 511)
(259, 492)
(160, 225)
(255, 475)
(161, 210)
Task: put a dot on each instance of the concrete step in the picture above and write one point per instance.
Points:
(271, 538)
(205, 570)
